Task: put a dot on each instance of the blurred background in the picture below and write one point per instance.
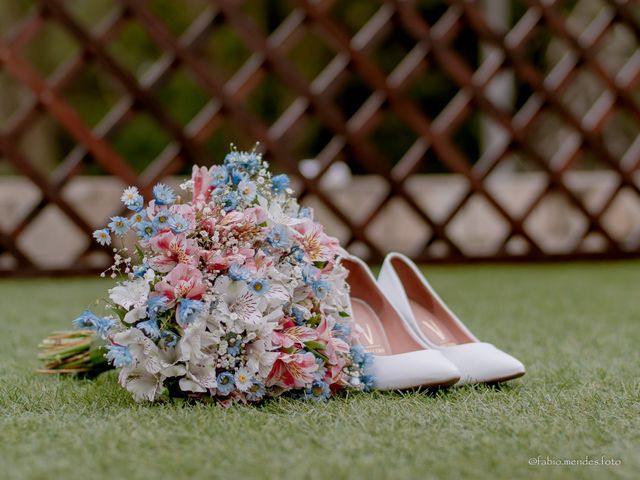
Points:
(452, 131)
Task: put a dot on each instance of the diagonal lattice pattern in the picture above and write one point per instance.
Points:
(574, 106)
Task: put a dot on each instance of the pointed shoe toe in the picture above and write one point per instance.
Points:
(423, 368)
(480, 362)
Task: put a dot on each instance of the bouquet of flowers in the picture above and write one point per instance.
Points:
(236, 295)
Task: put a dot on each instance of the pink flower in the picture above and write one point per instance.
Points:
(293, 336)
(293, 370)
(334, 374)
(317, 245)
(186, 211)
(333, 345)
(256, 215)
(171, 250)
(184, 281)
(201, 185)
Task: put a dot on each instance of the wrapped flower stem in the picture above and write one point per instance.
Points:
(78, 352)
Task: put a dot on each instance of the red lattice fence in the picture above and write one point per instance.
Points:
(548, 129)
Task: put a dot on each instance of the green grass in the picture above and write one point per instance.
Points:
(576, 327)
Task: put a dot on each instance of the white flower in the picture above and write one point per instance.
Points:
(259, 358)
(198, 378)
(133, 293)
(194, 340)
(276, 215)
(134, 315)
(243, 379)
(144, 352)
(187, 186)
(129, 195)
(239, 300)
(142, 384)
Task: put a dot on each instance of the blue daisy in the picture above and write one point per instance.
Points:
(119, 225)
(178, 224)
(318, 391)
(219, 176)
(103, 236)
(259, 286)
(146, 230)
(226, 383)
(162, 219)
(278, 237)
(255, 392)
(280, 183)
(163, 194)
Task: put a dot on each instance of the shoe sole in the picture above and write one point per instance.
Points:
(504, 379)
(445, 384)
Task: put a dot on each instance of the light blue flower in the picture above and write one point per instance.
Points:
(280, 183)
(146, 230)
(137, 217)
(360, 357)
(156, 305)
(297, 253)
(161, 220)
(368, 381)
(140, 270)
(119, 356)
(318, 391)
(178, 224)
(132, 199)
(249, 161)
(305, 212)
(119, 225)
(187, 311)
(298, 315)
(163, 194)
(170, 338)
(90, 321)
(309, 273)
(342, 330)
(278, 236)
(255, 392)
(226, 383)
(137, 204)
(321, 371)
(231, 158)
(234, 349)
(103, 237)
(259, 286)
(320, 288)
(247, 190)
(219, 175)
(237, 176)
(238, 273)
(357, 354)
(150, 328)
(229, 201)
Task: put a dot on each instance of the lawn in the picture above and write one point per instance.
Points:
(575, 326)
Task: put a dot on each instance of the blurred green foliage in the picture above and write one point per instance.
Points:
(93, 93)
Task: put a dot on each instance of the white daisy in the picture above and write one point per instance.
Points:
(243, 379)
(130, 195)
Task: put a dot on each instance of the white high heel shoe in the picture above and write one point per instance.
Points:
(439, 328)
(400, 361)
